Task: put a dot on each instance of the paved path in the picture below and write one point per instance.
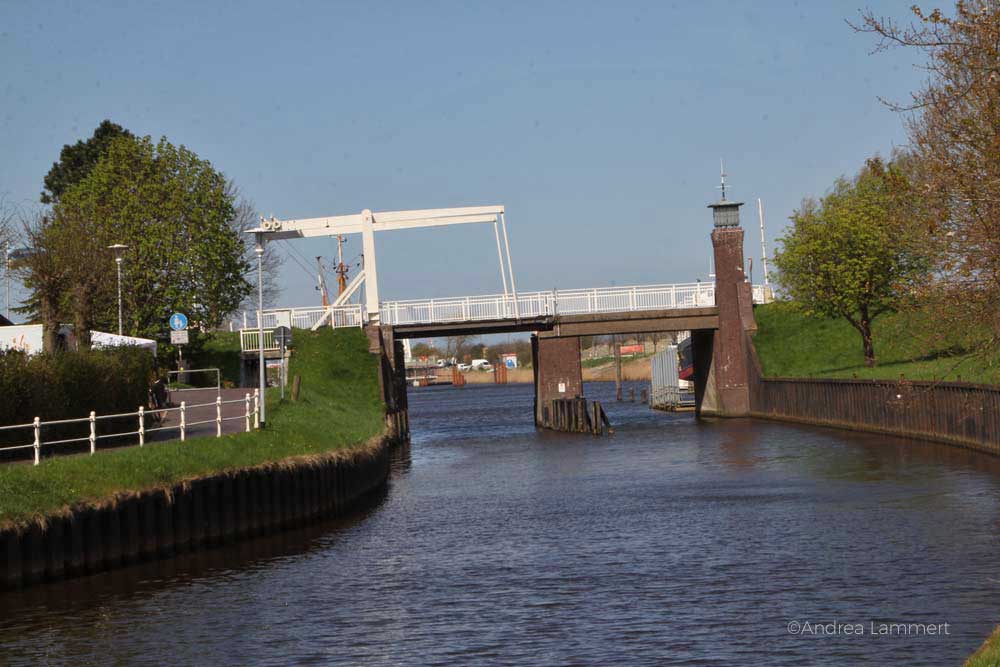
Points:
(206, 413)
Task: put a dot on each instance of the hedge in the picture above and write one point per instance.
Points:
(67, 385)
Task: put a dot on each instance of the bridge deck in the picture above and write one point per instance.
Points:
(644, 308)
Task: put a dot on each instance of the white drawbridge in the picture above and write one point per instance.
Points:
(368, 222)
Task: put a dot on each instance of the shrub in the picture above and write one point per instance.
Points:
(68, 385)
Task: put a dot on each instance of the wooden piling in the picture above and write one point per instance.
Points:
(615, 343)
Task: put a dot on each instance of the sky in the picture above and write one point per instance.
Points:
(600, 126)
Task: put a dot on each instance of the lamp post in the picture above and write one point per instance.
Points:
(6, 273)
(119, 251)
(260, 323)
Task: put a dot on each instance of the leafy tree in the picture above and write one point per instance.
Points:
(853, 254)
(953, 123)
(77, 160)
(176, 215)
(425, 350)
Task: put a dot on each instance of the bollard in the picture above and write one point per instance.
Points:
(142, 426)
(183, 429)
(643, 395)
(218, 416)
(246, 400)
(38, 441)
(632, 395)
(93, 434)
(256, 408)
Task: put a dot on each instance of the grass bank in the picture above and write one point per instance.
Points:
(339, 407)
(791, 344)
(988, 654)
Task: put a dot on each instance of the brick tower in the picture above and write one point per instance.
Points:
(725, 390)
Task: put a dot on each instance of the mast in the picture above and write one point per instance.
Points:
(341, 267)
(321, 282)
(763, 245)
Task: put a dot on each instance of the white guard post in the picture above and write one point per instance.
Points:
(368, 222)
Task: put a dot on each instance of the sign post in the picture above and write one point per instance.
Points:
(179, 335)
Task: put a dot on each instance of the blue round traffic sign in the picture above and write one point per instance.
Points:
(178, 321)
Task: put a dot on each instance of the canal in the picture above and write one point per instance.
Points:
(671, 542)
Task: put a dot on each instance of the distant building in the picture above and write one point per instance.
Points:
(22, 337)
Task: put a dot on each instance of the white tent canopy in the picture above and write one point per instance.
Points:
(99, 340)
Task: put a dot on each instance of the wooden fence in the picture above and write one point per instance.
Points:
(955, 412)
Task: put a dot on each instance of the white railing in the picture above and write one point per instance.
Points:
(179, 374)
(350, 315)
(501, 307)
(553, 302)
(250, 415)
(250, 340)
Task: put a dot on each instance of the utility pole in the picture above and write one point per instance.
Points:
(618, 366)
(341, 267)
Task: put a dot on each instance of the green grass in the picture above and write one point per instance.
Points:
(791, 344)
(339, 407)
(603, 361)
(988, 654)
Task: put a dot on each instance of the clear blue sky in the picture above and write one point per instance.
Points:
(599, 125)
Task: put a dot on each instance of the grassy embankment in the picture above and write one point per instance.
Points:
(790, 344)
(988, 654)
(339, 407)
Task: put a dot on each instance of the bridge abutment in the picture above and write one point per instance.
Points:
(391, 379)
(558, 373)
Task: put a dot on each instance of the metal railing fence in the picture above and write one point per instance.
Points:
(250, 415)
(551, 302)
(250, 340)
(218, 379)
(350, 315)
(490, 307)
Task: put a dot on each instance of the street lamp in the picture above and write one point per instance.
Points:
(6, 273)
(119, 251)
(259, 236)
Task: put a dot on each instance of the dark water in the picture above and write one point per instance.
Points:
(671, 542)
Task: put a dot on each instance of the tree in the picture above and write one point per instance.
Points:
(76, 161)
(176, 215)
(457, 346)
(423, 349)
(45, 280)
(245, 217)
(953, 123)
(853, 254)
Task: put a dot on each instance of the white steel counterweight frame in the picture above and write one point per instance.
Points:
(368, 222)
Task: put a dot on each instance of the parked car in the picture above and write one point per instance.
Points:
(441, 363)
(464, 367)
(481, 365)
